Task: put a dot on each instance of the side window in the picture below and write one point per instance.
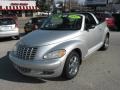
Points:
(92, 20)
(89, 21)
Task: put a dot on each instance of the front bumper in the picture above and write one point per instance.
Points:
(41, 68)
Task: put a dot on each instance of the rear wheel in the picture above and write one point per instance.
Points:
(16, 37)
(106, 43)
(72, 64)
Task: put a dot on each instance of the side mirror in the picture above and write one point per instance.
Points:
(89, 27)
(92, 26)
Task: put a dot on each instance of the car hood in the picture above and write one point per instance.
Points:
(46, 37)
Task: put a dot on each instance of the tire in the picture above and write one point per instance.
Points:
(106, 43)
(16, 37)
(71, 66)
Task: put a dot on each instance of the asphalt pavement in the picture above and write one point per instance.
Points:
(101, 71)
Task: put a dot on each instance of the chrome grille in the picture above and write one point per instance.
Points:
(26, 53)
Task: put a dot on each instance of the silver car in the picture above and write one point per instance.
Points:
(9, 27)
(59, 47)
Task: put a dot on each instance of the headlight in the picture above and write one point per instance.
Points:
(55, 54)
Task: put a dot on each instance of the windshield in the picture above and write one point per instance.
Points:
(63, 22)
(6, 21)
(37, 20)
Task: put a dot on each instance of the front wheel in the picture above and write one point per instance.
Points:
(72, 64)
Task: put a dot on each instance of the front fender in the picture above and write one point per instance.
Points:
(71, 45)
(67, 45)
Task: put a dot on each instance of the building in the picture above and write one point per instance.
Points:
(116, 6)
(21, 8)
(116, 1)
(101, 2)
(95, 2)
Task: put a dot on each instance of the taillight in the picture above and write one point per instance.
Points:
(16, 24)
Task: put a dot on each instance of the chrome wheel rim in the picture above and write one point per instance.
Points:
(73, 65)
(107, 42)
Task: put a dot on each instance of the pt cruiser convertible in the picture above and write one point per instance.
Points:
(59, 47)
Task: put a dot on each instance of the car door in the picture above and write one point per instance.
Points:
(92, 31)
(98, 29)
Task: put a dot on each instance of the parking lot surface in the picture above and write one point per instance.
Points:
(101, 71)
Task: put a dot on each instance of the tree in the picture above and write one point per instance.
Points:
(44, 5)
(41, 4)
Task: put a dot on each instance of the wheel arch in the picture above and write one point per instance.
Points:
(108, 34)
(79, 52)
